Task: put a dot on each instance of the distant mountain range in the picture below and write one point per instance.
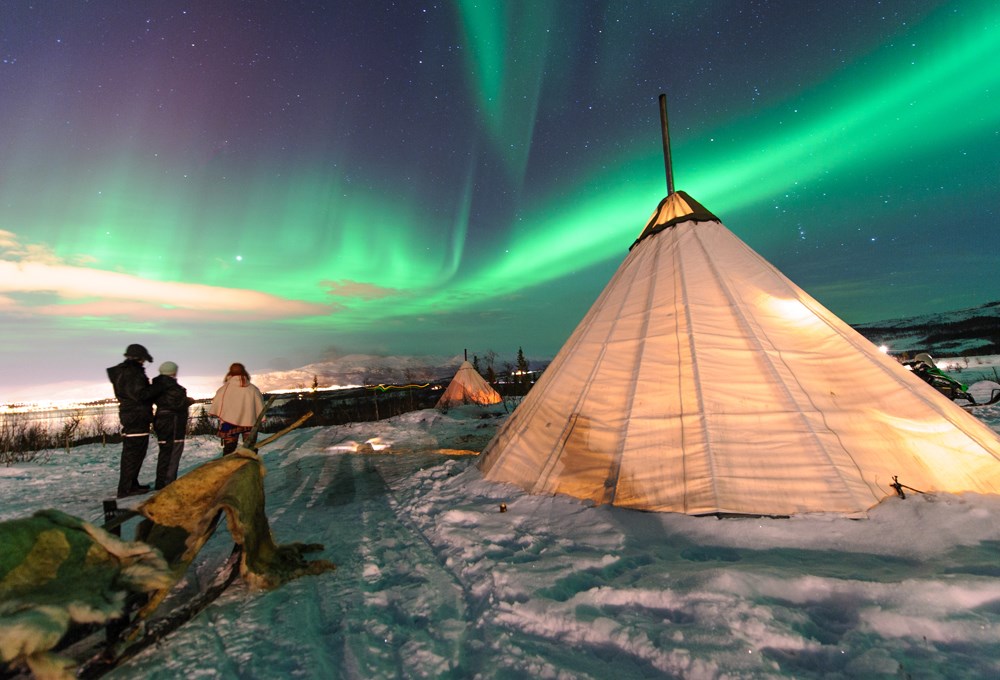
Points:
(966, 332)
(362, 369)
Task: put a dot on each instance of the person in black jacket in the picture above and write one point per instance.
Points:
(170, 422)
(135, 411)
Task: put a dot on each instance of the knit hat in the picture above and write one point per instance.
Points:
(168, 368)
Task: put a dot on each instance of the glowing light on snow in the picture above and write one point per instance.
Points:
(373, 445)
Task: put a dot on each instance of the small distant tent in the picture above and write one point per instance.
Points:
(703, 381)
(468, 387)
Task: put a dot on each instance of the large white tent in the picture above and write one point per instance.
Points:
(704, 381)
(468, 387)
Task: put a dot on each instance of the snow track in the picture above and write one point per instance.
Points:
(391, 609)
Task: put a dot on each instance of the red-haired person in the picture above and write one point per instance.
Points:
(236, 404)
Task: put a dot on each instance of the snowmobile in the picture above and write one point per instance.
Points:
(924, 367)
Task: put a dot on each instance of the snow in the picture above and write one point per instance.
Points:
(434, 580)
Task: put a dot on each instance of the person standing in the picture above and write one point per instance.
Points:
(169, 423)
(135, 411)
(236, 404)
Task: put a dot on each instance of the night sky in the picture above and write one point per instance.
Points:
(283, 182)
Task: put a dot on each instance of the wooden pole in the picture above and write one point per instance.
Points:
(285, 431)
(251, 438)
(664, 127)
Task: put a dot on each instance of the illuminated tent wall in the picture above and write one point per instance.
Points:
(468, 387)
(704, 381)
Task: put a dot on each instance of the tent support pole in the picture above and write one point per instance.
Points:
(666, 144)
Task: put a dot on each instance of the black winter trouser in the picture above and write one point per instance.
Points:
(133, 453)
(169, 427)
(167, 461)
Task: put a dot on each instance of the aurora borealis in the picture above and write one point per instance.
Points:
(273, 182)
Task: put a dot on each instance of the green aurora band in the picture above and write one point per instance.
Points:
(371, 250)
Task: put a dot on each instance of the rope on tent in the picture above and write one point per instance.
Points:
(899, 487)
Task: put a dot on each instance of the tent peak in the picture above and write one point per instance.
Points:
(677, 207)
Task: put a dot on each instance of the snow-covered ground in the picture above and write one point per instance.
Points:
(435, 581)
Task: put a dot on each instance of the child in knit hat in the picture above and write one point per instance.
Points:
(170, 422)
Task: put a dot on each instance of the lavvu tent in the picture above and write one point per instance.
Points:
(468, 387)
(704, 381)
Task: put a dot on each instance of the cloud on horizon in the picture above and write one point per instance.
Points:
(30, 272)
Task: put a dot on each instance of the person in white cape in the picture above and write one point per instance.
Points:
(236, 404)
